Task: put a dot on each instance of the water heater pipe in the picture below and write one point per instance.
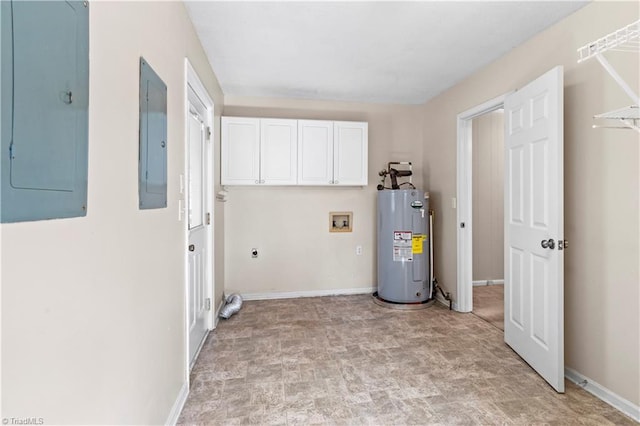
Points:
(432, 276)
(434, 281)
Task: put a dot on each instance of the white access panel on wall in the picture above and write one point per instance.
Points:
(278, 151)
(240, 151)
(315, 152)
(350, 153)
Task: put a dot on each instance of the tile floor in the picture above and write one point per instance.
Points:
(346, 360)
(488, 303)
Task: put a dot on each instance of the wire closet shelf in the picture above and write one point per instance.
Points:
(626, 39)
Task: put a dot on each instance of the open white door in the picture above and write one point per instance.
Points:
(534, 211)
(199, 257)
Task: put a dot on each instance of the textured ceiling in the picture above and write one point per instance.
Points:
(392, 52)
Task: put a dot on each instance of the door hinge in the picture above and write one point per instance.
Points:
(208, 133)
(207, 304)
(208, 218)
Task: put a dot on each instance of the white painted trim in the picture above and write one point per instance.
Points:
(604, 394)
(194, 81)
(482, 283)
(174, 414)
(197, 354)
(217, 318)
(181, 215)
(465, 201)
(191, 79)
(310, 293)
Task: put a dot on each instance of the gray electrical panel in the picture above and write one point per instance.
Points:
(152, 167)
(44, 115)
(403, 246)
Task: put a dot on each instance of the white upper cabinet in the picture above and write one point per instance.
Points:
(278, 151)
(315, 153)
(259, 151)
(293, 152)
(350, 153)
(240, 151)
(332, 153)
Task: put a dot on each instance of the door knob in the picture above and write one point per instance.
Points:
(192, 247)
(550, 244)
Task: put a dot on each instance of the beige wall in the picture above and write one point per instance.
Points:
(290, 226)
(93, 307)
(601, 178)
(488, 196)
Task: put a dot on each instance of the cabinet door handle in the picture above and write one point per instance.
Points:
(257, 182)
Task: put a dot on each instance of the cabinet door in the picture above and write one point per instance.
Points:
(315, 152)
(278, 151)
(240, 151)
(350, 156)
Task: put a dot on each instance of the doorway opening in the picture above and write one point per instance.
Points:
(488, 217)
(486, 118)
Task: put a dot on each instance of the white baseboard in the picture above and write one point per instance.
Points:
(310, 293)
(217, 317)
(487, 282)
(616, 401)
(445, 302)
(174, 414)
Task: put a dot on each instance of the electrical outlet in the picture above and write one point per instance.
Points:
(358, 250)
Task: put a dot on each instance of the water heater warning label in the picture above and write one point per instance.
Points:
(418, 241)
(402, 246)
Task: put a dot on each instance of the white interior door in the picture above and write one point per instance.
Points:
(534, 263)
(198, 255)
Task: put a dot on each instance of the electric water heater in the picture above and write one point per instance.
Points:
(403, 246)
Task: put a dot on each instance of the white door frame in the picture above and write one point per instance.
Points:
(192, 80)
(465, 200)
